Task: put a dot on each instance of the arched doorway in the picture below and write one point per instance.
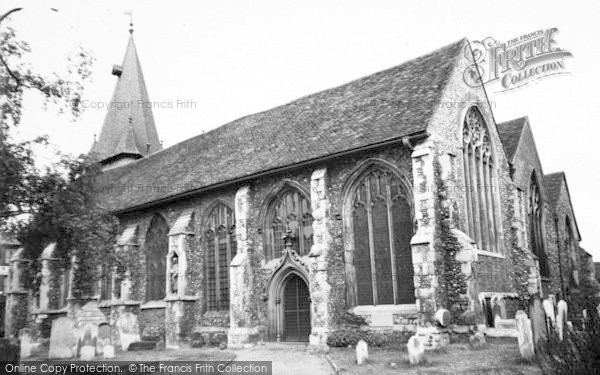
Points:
(296, 309)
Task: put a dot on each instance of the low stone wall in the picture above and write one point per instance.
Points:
(152, 323)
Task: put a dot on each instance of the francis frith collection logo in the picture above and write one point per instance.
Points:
(516, 63)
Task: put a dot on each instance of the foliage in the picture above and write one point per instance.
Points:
(452, 282)
(19, 178)
(349, 337)
(67, 214)
(586, 297)
(349, 319)
(578, 353)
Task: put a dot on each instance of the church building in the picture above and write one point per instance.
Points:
(360, 198)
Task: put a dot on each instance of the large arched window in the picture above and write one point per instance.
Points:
(221, 246)
(570, 248)
(157, 247)
(480, 183)
(535, 214)
(381, 230)
(288, 210)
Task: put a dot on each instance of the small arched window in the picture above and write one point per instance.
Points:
(157, 247)
(221, 246)
(289, 210)
(480, 183)
(535, 214)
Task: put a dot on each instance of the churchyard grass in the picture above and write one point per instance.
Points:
(499, 356)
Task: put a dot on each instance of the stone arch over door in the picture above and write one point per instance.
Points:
(378, 217)
(290, 270)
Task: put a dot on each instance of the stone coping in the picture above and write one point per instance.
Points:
(490, 254)
(17, 292)
(492, 294)
(405, 309)
(118, 302)
(154, 305)
(181, 298)
(50, 311)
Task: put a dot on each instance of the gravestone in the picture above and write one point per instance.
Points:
(88, 336)
(416, 350)
(25, 340)
(549, 311)
(538, 321)
(477, 340)
(103, 338)
(524, 335)
(432, 337)
(561, 318)
(63, 339)
(109, 351)
(128, 328)
(87, 353)
(362, 352)
(442, 316)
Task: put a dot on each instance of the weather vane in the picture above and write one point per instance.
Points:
(130, 14)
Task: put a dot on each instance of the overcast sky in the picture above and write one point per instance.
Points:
(233, 58)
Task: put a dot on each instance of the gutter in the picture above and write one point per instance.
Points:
(408, 141)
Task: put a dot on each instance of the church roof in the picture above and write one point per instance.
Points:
(553, 182)
(363, 113)
(510, 135)
(129, 124)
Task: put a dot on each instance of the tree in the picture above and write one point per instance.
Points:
(57, 203)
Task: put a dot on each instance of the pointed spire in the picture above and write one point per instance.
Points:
(128, 128)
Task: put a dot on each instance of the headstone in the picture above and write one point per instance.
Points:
(25, 340)
(103, 338)
(549, 311)
(416, 350)
(88, 336)
(362, 352)
(63, 339)
(561, 318)
(584, 317)
(442, 316)
(128, 328)
(524, 335)
(109, 351)
(87, 353)
(477, 340)
(432, 337)
(538, 321)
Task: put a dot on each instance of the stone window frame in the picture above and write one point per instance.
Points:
(285, 186)
(166, 221)
(535, 225)
(232, 238)
(348, 228)
(571, 247)
(484, 226)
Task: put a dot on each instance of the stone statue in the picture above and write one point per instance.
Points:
(174, 273)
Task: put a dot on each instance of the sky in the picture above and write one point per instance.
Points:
(228, 59)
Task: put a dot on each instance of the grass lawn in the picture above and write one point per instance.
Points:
(500, 356)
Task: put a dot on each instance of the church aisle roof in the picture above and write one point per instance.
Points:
(510, 135)
(553, 182)
(129, 124)
(365, 112)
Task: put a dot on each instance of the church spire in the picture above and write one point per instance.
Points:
(128, 132)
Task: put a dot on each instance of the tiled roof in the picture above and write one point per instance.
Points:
(129, 124)
(374, 109)
(553, 182)
(510, 135)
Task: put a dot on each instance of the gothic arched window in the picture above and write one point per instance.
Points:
(570, 248)
(535, 225)
(289, 210)
(382, 227)
(157, 247)
(221, 246)
(480, 183)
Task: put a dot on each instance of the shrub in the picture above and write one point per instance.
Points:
(578, 353)
(350, 337)
(343, 338)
